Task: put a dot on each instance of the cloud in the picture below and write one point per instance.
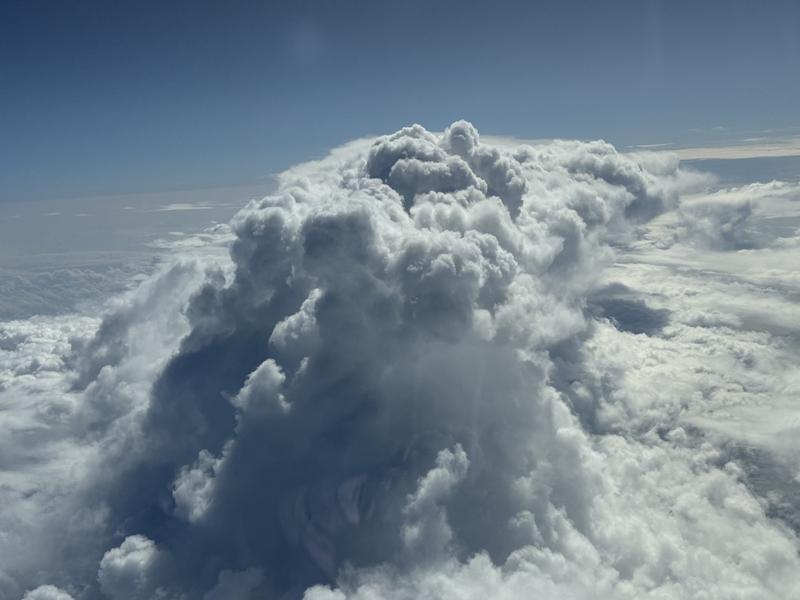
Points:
(430, 368)
(183, 206)
(45, 291)
(125, 571)
(626, 310)
(720, 223)
(235, 585)
(47, 592)
(426, 533)
(194, 487)
(748, 148)
(727, 219)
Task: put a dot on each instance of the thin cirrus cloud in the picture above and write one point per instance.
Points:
(431, 366)
(747, 148)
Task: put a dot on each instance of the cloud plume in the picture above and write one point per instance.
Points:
(392, 390)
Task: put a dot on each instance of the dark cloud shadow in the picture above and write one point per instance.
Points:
(618, 303)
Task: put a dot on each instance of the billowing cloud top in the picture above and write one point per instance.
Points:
(390, 393)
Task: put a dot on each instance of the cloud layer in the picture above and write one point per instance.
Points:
(421, 374)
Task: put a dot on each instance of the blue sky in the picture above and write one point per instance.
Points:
(125, 97)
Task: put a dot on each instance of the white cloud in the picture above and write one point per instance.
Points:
(426, 533)
(47, 592)
(126, 571)
(183, 206)
(435, 366)
(194, 486)
(752, 148)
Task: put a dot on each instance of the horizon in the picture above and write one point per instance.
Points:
(106, 99)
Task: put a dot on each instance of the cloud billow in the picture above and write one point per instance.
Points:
(368, 402)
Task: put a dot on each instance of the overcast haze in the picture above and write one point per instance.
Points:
(398, 300)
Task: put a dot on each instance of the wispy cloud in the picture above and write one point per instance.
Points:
(745, 148)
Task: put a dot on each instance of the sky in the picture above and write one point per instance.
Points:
(262, 337)
(104, 98)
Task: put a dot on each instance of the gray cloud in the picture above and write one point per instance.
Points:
(401, 386)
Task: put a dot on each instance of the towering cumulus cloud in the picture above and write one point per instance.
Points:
(389, 394)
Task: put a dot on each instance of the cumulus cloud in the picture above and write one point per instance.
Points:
(47, 592)
(720, 223)
(731, 219)
(125, 571)
(424, 372)
(426, 533)
(194, 486)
